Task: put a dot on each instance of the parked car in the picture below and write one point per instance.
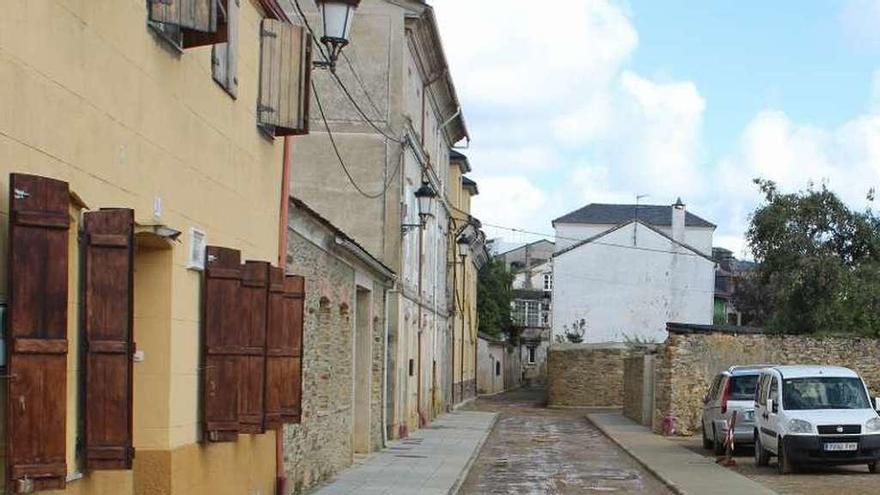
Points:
(732, 390)
(815, 415)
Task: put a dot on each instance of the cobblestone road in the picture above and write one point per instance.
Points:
(535, 450)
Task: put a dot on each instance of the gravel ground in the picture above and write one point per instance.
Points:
(843, 480)
(535, 450)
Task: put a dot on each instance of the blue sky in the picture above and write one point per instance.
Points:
(666, 98)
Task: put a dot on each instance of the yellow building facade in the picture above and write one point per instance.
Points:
(90, 95)
(463, 273)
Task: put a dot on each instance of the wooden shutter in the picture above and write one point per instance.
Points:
(222, 343)
(37, 355)
(225, 55)
(284, 349)
(285, 68)
(254, 300)
(198, 15)
(200, 22)
(108, 313)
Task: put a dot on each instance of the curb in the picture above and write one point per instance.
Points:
(456, 487)
(663, 479)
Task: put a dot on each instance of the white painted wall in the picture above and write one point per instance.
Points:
(631, 292)
(538, 272)
(697, 237)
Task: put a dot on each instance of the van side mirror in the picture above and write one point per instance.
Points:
(877, 403)
(772, 406)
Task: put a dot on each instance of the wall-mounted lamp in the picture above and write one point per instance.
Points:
(464, 246)
(425, 196)
(336, 16)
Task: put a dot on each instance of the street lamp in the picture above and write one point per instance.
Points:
(464, 246)
(336, 16)
(425, 196)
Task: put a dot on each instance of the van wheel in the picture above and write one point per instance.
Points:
(717, 445)
(707, 444)
(762, 457)
(872, 467)
(783, 465)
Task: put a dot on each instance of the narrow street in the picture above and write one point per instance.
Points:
(533, 449)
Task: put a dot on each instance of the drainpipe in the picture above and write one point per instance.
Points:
(454, 307)
(385, 374)
(280, 478)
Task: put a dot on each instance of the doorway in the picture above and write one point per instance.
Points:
(362, 371)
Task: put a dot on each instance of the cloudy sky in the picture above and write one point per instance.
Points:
(578, 101)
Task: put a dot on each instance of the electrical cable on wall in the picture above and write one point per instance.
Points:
(553, 236)
(339, 82)
(342, 161)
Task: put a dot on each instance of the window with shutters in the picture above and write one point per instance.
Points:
(285, 69)
(189, 23)
(224, 56)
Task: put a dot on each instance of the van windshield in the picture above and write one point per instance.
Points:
(742, 387)
(824, 393)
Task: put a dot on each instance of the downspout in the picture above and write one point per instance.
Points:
(452, 351)
(280, 478)
(385, 374)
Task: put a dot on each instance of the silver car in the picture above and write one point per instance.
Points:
(731, 390)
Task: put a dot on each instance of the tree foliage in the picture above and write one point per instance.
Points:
(493, 298)
(818, 264)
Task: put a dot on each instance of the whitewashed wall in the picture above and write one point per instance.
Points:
(623, 292)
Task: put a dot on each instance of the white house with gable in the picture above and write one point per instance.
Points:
(627, 270)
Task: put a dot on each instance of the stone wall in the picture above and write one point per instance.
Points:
(585, 375)
(633, 386)
(322, 444)
(692, 356)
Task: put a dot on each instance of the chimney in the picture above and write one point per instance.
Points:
(678, 214)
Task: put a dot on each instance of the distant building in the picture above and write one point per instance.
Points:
(729, 271)
(627, 270)
(531, 308)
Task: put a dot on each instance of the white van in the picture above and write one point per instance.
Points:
(815, 415)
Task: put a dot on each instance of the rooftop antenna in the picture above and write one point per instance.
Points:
(639, 198)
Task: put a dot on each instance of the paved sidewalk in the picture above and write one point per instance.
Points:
(684, 471)
(432, 461)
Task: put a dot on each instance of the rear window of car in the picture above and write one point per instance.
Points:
(742, 387)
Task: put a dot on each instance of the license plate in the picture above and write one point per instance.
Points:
(749, 416)
(841, 447)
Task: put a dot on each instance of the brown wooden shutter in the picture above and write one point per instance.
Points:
(285, 68)
(200, 22)
(222, 343)
(109, 345)
(37, 355)
(284, 349)
(254, 301)
(225, 55)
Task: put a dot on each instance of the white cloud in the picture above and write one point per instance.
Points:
(550, 100)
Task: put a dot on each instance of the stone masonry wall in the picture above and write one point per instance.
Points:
(585, 375)
(689, 360)
(633, 386)
(321, 445)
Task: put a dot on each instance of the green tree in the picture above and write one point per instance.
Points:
(818, 263)
(493, 298)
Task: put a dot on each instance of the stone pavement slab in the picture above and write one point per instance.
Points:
(682, 470)
(432, 461)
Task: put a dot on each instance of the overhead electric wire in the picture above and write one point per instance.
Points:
(361, 83)
(338, 80)
(638, 248)
(342, 161)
